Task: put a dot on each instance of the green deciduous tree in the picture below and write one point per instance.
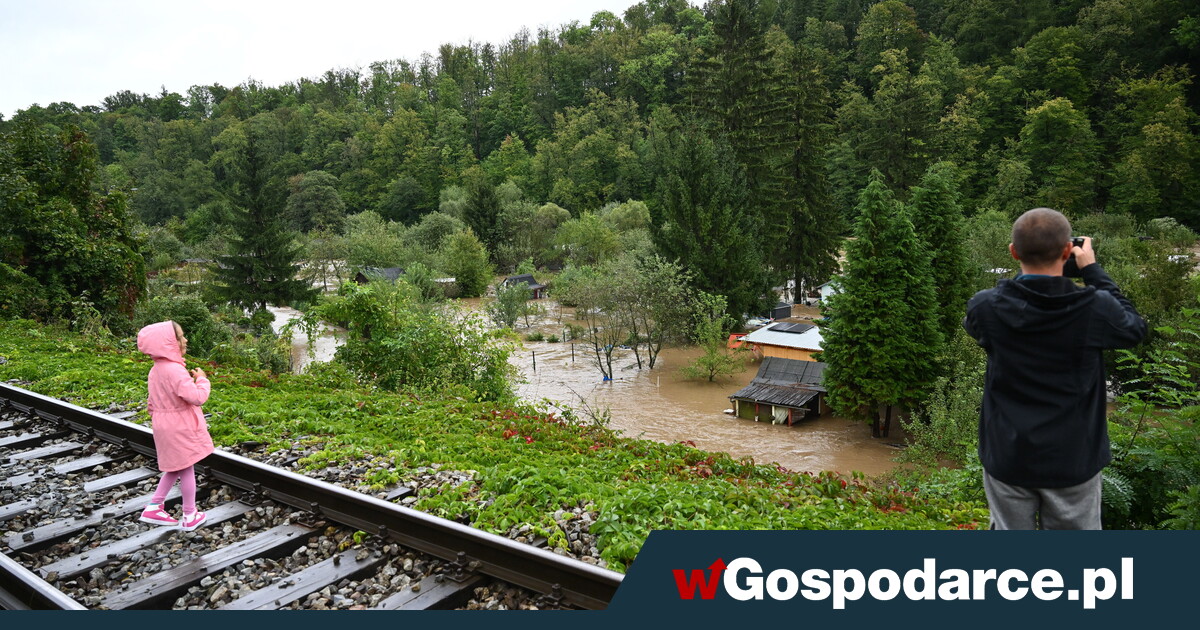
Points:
(314, 203)
(510, 303)
(712, 324)
(1059, 146)
(888, 25)
(880, 330)
(586, 240)
(466, 259)
(1156, 173)
(61, 241)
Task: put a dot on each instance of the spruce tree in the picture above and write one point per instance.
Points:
(735, 90)
(811, 225)
(482, 209)
(262, 265)
(699, 217)
(880, 333)
(938, 221)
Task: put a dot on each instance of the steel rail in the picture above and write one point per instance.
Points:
(22, 589)
(469, 550)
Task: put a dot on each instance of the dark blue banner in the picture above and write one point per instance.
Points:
(1114, 578)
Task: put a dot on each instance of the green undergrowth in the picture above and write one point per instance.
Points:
(526, 464)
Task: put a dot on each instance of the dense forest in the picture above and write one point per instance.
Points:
(668, 167)
(746, 126)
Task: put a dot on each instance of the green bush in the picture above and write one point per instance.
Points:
(1155, 440)
(536, 336)
(399, 342)
(946, 428)
(20, 295)
(204, 332)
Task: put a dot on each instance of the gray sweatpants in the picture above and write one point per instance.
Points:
(1017, 507)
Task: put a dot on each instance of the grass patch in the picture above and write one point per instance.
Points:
(527, 463)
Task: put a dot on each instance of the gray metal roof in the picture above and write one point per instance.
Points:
(769, 335)
(784, 382)
(526, 278)
(790, 372)
(775, 395)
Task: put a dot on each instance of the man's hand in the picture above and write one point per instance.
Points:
(1084, 256)
(198, 373)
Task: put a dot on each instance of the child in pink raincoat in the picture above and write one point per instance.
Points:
(180, 432)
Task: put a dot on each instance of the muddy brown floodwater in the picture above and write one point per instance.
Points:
(660, 404)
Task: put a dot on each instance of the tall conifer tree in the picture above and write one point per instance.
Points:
(938, 221)
(262, 266)
(735, 90)
(880, 336)
(812, 226)
(699, 217)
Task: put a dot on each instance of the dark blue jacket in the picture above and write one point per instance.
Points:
(1042, 423)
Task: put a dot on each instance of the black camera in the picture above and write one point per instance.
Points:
(1070, 268)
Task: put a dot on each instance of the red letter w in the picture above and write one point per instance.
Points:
(708, 589)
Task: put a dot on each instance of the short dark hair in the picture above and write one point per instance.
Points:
(1040, 235)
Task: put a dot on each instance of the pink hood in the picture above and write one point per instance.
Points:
(158, 341)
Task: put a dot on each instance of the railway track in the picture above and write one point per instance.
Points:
(73, 480)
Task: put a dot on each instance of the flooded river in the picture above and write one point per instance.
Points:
(661, 405)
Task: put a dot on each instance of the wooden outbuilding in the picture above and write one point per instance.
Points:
(784, 391)
(367, 274)
(786, 340)
(536, 291)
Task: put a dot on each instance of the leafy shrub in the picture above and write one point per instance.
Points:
(400, 343)
(946, 427)
(1155, 440)
(535, 336)
(20, 295)
(203, 331)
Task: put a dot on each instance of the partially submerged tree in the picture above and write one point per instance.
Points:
(712, 325)
(510, 303)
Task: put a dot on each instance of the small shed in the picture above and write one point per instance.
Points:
(782, 310)
(828, 289)
(537, 291)
(367, 274)
(783, 391)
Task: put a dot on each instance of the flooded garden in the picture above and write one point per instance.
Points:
(657, 404)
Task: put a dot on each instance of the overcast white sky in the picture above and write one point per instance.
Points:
(82, 51)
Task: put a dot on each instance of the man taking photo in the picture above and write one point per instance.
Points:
(1043, 436)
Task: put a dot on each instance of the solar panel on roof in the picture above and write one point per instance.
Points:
(792, 327)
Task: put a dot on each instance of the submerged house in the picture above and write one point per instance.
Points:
(786, 340)
(784, 391)
(536, 291)
(367, 274)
